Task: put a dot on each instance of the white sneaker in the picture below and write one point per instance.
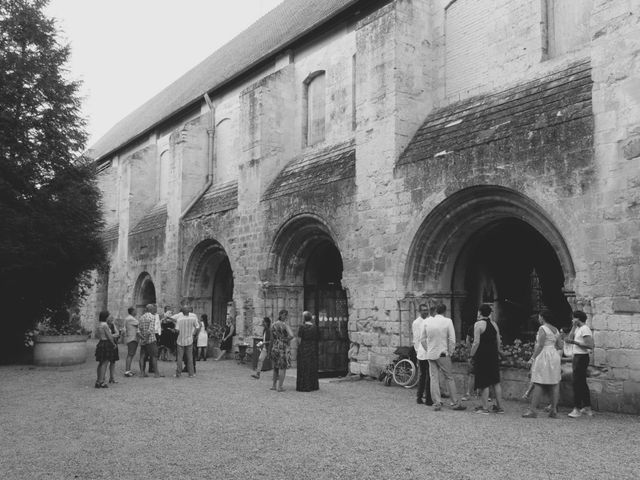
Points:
(575, 413)
(587, 411)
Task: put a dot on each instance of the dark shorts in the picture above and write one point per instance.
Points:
(132, 347)
(150, 349)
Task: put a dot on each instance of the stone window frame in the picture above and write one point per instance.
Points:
(547, 31)
(306, 130)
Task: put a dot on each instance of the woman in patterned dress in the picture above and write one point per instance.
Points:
(280, 351)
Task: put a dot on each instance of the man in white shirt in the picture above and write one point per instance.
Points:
(423, 364)
(440, 342)
(187, 327)
(582, 339)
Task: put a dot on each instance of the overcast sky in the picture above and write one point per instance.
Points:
(126, 51)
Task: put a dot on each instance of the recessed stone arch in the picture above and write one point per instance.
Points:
(467, 247)
(209, 280)
(305, 273)
(144, 292)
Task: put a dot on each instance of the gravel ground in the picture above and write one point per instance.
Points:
(224, 424)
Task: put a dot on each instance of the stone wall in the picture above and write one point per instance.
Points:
(559, 134)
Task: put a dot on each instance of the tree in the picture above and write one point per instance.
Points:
(51, 222)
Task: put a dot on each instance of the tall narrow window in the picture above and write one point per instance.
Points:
(164, 176)
(314, 103)
(567, 25)
(226, 165)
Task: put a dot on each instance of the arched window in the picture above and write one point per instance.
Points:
(314, 108)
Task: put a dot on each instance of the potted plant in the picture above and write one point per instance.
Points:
(59, 340)
(215, 331)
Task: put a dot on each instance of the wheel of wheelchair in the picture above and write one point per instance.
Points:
(414, 380)
(404, 372)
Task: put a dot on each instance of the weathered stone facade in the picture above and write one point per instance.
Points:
(420, 172)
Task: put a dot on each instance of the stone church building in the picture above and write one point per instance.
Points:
(358, 158)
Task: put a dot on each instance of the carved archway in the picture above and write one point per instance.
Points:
(484, 243)
(306, 274)
(209, 280)
(145, 292)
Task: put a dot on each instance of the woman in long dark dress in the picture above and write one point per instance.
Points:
(486, 359)
(307, 374)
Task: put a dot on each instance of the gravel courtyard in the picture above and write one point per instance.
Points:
(224, 424)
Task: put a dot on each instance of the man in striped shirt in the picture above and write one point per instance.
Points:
(147, 336)
(187, 327)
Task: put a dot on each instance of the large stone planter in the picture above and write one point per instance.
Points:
(59, 350)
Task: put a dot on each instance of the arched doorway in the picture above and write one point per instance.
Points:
(511, 265)
(307, 269)
(492, 244)
(209, 281)
(145, 292)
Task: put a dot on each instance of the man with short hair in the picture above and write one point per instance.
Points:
(148, 343)
(417, 329)
(131, 339)
(440, 342)
(187, 327)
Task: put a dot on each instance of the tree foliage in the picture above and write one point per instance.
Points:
(49, 201)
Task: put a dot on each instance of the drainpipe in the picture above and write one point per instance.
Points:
(211, 155)
(211, 164)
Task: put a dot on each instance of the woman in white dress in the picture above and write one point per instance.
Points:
(203, 338)
(545, 369)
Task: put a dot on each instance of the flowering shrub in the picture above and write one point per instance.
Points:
(515, 355)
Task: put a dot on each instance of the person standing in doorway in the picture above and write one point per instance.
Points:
(307, 372)
(227, 338)
(187, 326)
(418, 330)
(485, 352)
(265, 347)
(203, 337)
(281, 336)
(582, 339)
(148, 342)
(440, 342)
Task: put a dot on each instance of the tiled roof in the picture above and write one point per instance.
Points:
(110, 232)
(217, 199)
(268, 36)
(543, 102)
(305, 173)
(154, 219)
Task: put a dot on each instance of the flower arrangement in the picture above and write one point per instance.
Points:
(515, 355)
(216, 331)
(60, 323)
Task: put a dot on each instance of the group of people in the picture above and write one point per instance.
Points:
(181, 333)
(276, 345)
(434, 342)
